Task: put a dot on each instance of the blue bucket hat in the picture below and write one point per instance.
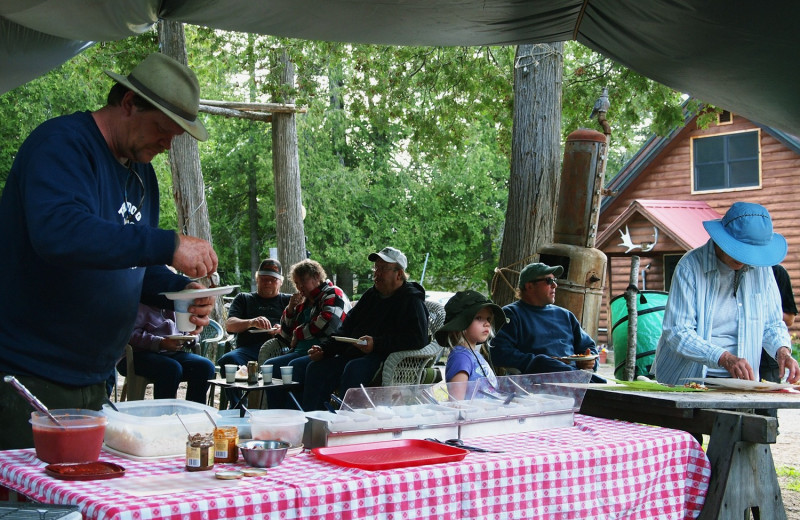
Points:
(745, 234)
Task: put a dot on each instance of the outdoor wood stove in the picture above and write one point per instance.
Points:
(580, 288)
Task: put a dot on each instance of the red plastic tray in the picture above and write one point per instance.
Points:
(85, 470)
(401, 453)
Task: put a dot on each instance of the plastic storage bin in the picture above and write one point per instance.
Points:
(278, 425)
(152, 428)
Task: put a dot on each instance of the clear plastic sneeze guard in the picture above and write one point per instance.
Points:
(507, 404)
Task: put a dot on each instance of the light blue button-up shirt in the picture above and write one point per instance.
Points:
(684, 349)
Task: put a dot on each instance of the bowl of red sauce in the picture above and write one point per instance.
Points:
(78, 438)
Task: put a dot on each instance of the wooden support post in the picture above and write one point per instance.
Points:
(633, 319)
(743, 475)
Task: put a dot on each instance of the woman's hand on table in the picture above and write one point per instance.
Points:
(785, 361)
(737, 367)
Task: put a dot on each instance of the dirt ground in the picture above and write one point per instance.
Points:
(785, 452)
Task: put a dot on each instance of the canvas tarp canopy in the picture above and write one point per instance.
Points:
(741, 56)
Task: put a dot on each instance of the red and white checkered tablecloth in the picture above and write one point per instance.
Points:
(597, 469)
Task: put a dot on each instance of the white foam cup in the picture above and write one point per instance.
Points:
(182, 316)
(230, 373)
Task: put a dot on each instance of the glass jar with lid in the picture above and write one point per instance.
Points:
(226, 439)
(200, 452)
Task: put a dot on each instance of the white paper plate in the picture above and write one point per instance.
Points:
(191, 294)
(181, 336)
(260, 331)
(741, 384)
(349, 340)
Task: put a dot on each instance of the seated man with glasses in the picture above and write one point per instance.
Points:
(537, 330)
(391, 316)
(255, 318)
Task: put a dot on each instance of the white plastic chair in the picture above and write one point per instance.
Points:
(407, 367)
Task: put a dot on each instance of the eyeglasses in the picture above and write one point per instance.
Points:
(129, 215)
(382, 269)
(548, 281)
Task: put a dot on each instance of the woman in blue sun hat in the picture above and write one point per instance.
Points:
(724, 304)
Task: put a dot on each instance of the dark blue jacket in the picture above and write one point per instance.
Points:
(72, 272)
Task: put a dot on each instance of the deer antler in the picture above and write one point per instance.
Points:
(626, 240)
(648, 246)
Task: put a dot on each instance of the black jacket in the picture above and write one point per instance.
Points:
(399, 322)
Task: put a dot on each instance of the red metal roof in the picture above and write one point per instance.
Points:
(681, 220)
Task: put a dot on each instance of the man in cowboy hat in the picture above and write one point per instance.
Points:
(539, 331)
(724, 303)
(82, 247)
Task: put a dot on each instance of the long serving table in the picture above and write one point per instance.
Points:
(743, 473)
(598, 469)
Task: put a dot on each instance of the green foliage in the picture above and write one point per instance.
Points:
(79, 84)
(402, 146)
(639, 107)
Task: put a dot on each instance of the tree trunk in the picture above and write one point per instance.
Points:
(286, 171)
(184, 160)
(252, 186)
(344, 280)
(535, 160)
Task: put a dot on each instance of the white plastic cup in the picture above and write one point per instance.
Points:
(286, 375)
(182, 316)
(230, 373)
(266, 374)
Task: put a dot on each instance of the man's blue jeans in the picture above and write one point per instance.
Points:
(327, 375)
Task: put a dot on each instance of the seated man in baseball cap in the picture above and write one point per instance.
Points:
(255, 317)
(391, 316)
(538, 331)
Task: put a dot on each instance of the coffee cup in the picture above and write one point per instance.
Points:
(266, 374)
(286, 375)
(230, 373)
(182, 316)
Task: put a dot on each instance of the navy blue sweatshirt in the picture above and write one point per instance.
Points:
(73, 270)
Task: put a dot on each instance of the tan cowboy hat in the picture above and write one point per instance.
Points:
(170, 87)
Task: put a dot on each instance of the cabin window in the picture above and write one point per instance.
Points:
(724, 118)
(726, 162)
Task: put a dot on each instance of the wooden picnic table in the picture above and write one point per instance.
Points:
(742, 470)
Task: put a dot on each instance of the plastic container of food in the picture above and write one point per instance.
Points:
(232, 418)
(78, 439)
(151, 428)
(278, 425)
